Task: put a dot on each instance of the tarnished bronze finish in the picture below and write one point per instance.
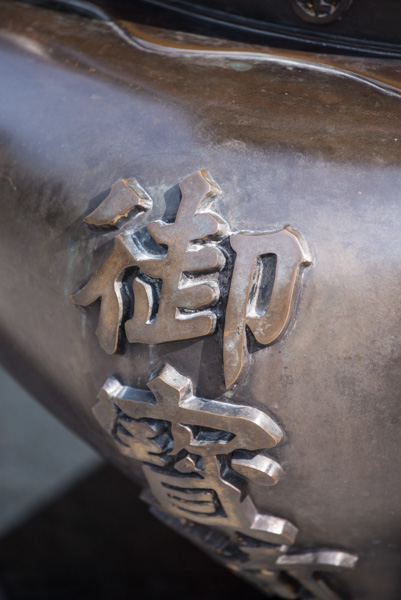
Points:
(305, 148)
(125, 196)
(260, 293)
(247, 303)
(192, 451)
(177, 315)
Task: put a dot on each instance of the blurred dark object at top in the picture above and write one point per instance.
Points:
(353, 27)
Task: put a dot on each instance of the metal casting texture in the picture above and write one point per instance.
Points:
(193, 450)
(307, 141)
(260, 294)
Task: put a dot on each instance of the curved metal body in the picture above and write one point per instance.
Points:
(291, 140)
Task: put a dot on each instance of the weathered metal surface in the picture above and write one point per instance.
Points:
(193, 450)
(125, 197)
(176, 301)
(311, 143)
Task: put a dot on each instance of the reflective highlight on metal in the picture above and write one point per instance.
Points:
(193, 450)
(305, 148)
(174, 302)
(125, 196)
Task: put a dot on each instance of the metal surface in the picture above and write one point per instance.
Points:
(193, 450)
(125, 197)
(176, 300)
(309, 141)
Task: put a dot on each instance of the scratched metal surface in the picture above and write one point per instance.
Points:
(309, 143)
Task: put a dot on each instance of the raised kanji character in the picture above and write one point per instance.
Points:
(212, 443)
(251, 288)
(181, 311)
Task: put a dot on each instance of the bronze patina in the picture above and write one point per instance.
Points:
(225, 217)
(260, 296)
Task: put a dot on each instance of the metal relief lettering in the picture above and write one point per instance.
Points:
(276, 570)
(199, 456)
(184, 293)
(200, 446)
(245, 306)
(125, 197)
(176, 285)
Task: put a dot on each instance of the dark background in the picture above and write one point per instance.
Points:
(98, 541)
